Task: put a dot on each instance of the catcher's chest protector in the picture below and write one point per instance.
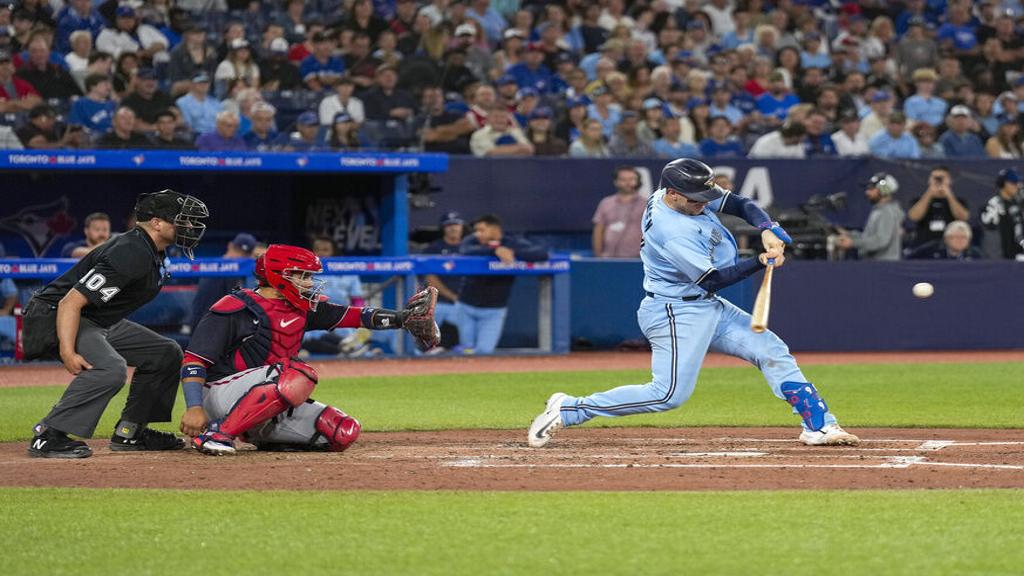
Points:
(279, 330)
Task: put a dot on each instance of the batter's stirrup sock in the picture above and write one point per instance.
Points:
(804, 398)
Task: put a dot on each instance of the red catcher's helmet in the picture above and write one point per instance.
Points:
(291, 271)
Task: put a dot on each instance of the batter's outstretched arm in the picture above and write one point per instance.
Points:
(736, 205)
(714, 279)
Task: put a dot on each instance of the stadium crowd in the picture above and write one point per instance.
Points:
(583, 78)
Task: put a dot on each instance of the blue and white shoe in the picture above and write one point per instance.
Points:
(214, 444)
(548, 422)
(831, 435)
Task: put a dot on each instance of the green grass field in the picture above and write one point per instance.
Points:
(860, 532)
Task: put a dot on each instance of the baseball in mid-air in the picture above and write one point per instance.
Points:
(923, 289)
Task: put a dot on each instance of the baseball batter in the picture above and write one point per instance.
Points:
(688, 255)
(240, 375)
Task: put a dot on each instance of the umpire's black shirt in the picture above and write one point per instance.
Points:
(117, 278)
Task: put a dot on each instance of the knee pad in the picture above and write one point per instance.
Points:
(804, 398)
(339, 429)
(296, 381)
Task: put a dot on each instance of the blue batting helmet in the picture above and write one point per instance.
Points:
(691, 178)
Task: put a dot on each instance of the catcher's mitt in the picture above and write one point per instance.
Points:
(418, 319)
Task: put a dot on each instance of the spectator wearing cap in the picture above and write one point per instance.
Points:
(603, 109)
(165, 136)
(926, 137)
(123, 135)
(147, 100)
(478, 58)
(959, 141)
(224, 137)
(490, 19)
(453, 229)
(526, 102)
(306, 137)
(76, 15)
(444, 127)
(500, 137)
(540, 134)
(1003, 218)
(590, 143)
(213, 288)
(878, 117)
(77, 60)
(40, 131)
(198, 109)
(786, 142)
(95, 110)
(49, 79)
(894, 141)
(321, 70)
(1010, 108)
(262, 135)
(128, 35)
(916, 50)
(237, 66)
(16, 94)
(924, 106)
(721, 104)
(720, 142)
(626, 141)
(668, 145)
(774, 104)
(277, 71)
(342, 100)
(849, 140)
(387, 102)
(507, 88)
(188, 59)
(511, 52)
(532, 72)
(652, 117)
(343, 134)
(571, 126)
(818, 142)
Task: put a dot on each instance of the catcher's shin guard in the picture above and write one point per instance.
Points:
(806, 401)
(339, 429)
(291, 387)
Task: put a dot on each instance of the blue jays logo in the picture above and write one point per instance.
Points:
(716, 239)
(41, 225)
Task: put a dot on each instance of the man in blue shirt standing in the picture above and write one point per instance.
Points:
(959, 141)
(95, 110)
(924, 106)
(893, 141)
(198, 109)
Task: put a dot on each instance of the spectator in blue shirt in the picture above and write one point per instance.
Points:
(224, 138)
(604, 110)
(198, 109)
(95, 110)
(492, 22)
(893, 141)
(262, 136)
(959, 141)
(306, 137)
(957, 34)
(76, 15)
(721, 104)
(720, 143)
(776, 102)
(669, 145)
(320, 69)
(924, 106)
(532, 73)
(818, 142)
(811, 56)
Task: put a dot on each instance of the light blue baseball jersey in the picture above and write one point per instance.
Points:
(679, 251)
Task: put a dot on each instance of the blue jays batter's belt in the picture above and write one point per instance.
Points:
(707, 296)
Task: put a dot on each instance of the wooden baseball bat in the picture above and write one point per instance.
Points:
(759, 319)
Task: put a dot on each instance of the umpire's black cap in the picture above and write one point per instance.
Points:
(691, 178)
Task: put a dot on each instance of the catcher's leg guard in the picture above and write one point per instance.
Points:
(339, 429)
(290, 386)
(806, 402)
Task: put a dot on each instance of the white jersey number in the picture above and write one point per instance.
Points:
(95, 281)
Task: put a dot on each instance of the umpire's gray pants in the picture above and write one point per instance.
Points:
(157, 362)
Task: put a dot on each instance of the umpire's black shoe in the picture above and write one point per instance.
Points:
(146, 439)
(56, 444)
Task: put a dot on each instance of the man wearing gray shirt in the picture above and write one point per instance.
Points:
(880, 239)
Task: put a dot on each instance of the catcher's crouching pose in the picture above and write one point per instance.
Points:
(239, 375)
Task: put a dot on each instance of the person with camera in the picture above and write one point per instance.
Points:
(936, 208)
(880, 239)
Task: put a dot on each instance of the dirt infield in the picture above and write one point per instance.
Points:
(52, 374)
(579, 459)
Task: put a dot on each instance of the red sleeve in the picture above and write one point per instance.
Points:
(24, 88)
(193, 358)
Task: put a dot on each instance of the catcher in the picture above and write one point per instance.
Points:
(240, 376)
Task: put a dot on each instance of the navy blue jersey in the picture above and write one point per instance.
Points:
(454, 283)
(493, 291)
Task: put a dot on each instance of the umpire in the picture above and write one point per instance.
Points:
(80, 316)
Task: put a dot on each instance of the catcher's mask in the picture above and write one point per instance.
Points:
(292, 272)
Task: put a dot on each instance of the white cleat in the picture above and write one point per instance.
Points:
(831, 435)
(548, 422)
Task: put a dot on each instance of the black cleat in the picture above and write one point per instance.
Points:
(146, 440)
(55, 444)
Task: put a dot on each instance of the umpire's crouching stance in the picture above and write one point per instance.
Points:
(81, 317)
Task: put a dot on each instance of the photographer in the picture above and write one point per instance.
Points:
(936, 208)
(880, 239)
